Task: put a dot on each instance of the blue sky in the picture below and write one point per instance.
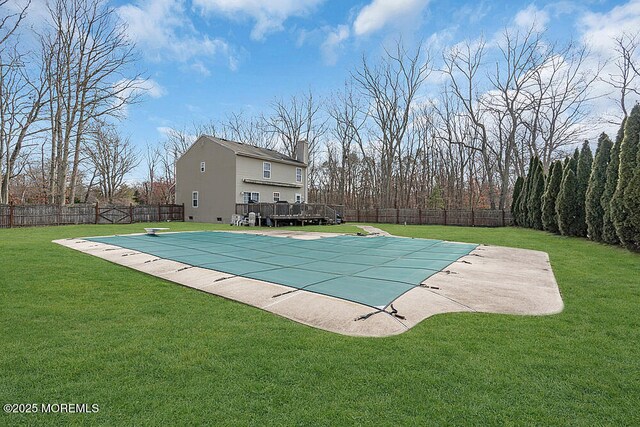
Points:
(208, 58)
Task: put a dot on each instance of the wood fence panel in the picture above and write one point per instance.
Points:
(37, 215)
(463, 217)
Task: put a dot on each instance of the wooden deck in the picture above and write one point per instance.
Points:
(291, 213)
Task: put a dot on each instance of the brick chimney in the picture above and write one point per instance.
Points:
(302, 151)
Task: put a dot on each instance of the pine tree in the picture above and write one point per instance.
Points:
(622, 202)
(595, 190)
(536, 190)
(567, 204)
(585, 162)
(609, 234)
(515, 200)
(549, 216)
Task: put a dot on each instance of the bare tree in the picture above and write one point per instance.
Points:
(111, 156)
(21, 100)
(9, 22)
(87, 56)
(391, 87)
(626, 79)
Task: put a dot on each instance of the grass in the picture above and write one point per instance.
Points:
(75, 328)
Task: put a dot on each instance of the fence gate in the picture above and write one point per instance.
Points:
(113, 215)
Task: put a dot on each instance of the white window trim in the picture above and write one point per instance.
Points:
(298, 198)
(298, 170)
(251, 193)
(276, 197)
(195, 197)
(264, 170)
(202, 166)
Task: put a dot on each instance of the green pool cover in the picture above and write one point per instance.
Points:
(373, 271)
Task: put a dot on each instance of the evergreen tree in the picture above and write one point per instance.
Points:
(597, 182)
(515, 200)
(609, 234)
(574, 160)
(567, 204)
(585, 162)
(523, 211)
(536, 190)
(622, 202)
(549, 217)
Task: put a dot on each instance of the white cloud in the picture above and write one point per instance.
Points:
(380, 13)
(163, 30)
(600, 29)
(333, 42)
(532, 18)
(598, 32)
(269, 15)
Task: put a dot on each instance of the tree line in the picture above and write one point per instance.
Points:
(582, 195)
(411, 127)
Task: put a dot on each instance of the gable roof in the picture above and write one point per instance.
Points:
(247, 150)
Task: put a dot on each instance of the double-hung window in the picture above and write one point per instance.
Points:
(266, 170)
(298, 174)
(250, 197)
(194, 199)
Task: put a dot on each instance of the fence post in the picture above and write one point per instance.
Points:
(97, 212)
(58, 214)
(397, 215)
(377, 216)
(130, 213)
(503, 224)
(473, 218)
(420, 216)
(357, 214)
(11, 215)
(183, 217)
(159, 213)
(445, 215)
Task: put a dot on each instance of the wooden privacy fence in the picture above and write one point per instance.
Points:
(34, 215)
(464, 217)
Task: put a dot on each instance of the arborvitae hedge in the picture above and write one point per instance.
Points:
(583, 172)
(609, 234)
(622, 203)
(549, 216)
(536, 190)
(567, 204)
(517, 190)
(523, 209)
(595, 190)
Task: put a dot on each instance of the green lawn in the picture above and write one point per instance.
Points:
(75, 328)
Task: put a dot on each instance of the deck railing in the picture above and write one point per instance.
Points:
(290, 210)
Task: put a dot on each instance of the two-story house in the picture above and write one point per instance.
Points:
(214, 174)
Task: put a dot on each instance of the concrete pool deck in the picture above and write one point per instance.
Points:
(490, 279)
